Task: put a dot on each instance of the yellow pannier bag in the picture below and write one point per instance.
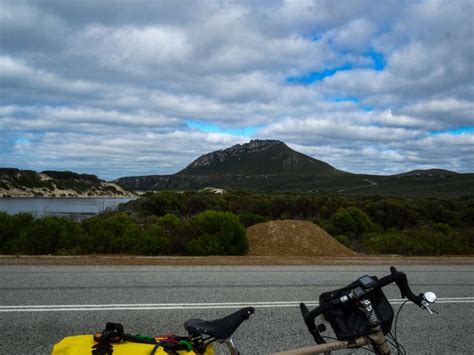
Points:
(82, 345)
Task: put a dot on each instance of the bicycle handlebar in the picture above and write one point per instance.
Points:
(395, 276)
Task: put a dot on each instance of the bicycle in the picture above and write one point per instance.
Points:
(359, 314)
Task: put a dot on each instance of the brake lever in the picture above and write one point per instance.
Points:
(428, 298)
(426, 306)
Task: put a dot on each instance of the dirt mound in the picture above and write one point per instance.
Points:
(293, 238)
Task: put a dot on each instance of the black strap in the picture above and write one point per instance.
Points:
(102, 348)
(112, 333)
(172, 345)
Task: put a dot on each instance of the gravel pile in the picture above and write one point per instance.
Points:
(293, 238)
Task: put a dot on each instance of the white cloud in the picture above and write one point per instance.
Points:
(124, 78)
(356, 35)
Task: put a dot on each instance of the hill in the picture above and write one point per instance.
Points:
(28, 183)
(270, 165)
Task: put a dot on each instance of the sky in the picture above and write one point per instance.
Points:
(122, 88)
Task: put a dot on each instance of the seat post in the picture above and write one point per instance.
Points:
(231, 346)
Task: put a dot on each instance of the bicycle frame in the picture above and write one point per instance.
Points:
(377, 340)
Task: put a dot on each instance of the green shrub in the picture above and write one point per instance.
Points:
(223, 231)
(428, 240)
(393, 213)
(131, 240)
(204, 245)
(177, 231)
(352, 222)
(155, 241)
(343, 240)
(11, 227)
(48, 235)
(162, 203)
(249, 219)
(107, 231)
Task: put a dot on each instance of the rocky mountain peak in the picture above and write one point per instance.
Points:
(254, 146)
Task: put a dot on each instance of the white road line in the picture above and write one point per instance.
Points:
(178, 306)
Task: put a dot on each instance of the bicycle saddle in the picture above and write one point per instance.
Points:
(219, 328)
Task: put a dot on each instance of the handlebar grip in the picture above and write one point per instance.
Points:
(309, 317)
(313, 329)
(402, 283)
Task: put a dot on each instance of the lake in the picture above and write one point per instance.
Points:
(78, 208)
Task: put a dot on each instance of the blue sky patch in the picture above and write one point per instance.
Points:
(22, 140)
(346, 99)
(377, 59)
(212, 128)
(454, 131)
(317, 76)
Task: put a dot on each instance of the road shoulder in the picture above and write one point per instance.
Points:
(232, 260)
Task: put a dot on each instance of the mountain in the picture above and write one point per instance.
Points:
(270, 165)
(259, 157)
(259, 164)
(28, 183)
(429, 173)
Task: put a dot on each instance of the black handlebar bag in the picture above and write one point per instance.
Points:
(350, 322)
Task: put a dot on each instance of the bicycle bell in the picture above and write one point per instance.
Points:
(429, 297)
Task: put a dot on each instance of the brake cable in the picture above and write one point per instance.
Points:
(400, 347)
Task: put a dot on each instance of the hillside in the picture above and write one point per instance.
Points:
(28, 183)
(270, 165)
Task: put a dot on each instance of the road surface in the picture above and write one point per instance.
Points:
(41, 304)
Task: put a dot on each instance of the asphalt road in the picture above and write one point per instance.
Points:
(40, 305)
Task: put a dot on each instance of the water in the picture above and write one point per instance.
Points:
(73, 207)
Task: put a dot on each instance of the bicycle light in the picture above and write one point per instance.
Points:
(429, 297)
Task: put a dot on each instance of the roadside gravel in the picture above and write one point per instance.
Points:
(232, 260)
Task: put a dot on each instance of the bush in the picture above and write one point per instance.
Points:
(218, 233)
(392, 213)
(343, 240)
(162, 203)
(118, 233)
(249, 219)
(155, 241)
(428, 240)
(49, 235)
(11, 228)
(204, 245)
(107, 232)
(351, 222)
(176, 231)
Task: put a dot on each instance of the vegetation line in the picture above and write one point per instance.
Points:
(203, 223)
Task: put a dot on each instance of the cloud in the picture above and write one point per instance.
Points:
(125, 155)
(355, 35)
(95, 86)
